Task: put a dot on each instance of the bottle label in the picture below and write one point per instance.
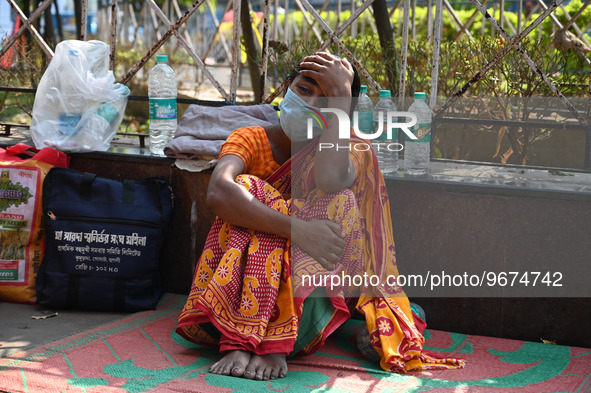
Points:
(108, 112)
(162, 108)
(384, 135)
(68, 123)
(422, 131)
(365, 120)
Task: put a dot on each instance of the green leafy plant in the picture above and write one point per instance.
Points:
(26, 73)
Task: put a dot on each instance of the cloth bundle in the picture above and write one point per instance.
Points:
(203, 129)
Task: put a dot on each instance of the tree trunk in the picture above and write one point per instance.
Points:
(48, 29)
(28, 36)
(251, 50)
(58, 17)
(78, 16)
(386, 35)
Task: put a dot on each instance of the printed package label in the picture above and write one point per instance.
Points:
(18, 212)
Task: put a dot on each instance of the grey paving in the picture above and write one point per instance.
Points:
(18, 330)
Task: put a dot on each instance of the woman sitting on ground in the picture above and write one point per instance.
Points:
(288, 210)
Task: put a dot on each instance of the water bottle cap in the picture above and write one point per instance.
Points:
(162, 58)
(124, 90)
(385, 94)
(421, 96)
(108, 112)
(363, 89)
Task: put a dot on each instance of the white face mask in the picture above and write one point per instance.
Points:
(293, 117)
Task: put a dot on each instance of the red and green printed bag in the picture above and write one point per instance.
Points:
(22, 171)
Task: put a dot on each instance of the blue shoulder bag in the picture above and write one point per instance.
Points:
(103, 241)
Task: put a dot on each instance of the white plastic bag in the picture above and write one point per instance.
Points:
(78, 106)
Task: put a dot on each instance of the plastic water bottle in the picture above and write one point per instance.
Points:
(364, 109)
(94, 126)
(69, 95)
(417, 153)
(162, 91)
(386, 149)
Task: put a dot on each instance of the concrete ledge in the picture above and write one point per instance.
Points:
(458, 227)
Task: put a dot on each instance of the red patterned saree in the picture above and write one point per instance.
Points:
(252, 285)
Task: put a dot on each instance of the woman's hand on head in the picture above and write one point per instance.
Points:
(333, 75)
(323, 240)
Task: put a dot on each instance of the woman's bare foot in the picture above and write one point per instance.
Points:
(264, 367)
(233, 363)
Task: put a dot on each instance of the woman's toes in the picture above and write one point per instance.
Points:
(237, 371)
(233, 363)
(274, 373)
(267, 373)
(226, 369)
(259, 373)
(214, 368)
(282, 372)
(249, 373)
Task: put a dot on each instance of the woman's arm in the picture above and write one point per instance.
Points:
(333, 170)
(233, 203)
(321, 239)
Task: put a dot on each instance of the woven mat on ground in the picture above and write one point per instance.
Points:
(141, 353)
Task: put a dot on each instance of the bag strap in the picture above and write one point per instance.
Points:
(86, 186)
(22, 152)
(22, 149)
(86, 189)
